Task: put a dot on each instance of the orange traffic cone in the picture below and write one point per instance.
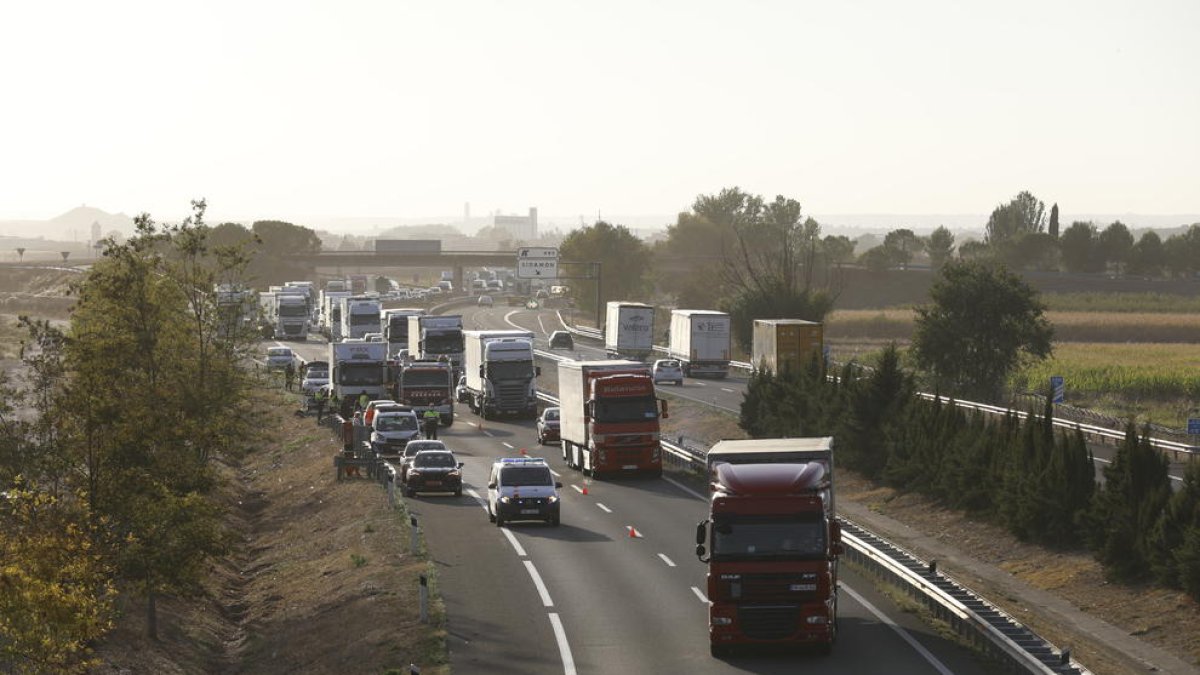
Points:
(585, 487)
(523, 452)
(633, 533)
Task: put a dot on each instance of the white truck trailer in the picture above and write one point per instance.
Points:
(629, 330)
(358, 366)
(498, 365)
(431, 337)
(360, 315)
(701, 342)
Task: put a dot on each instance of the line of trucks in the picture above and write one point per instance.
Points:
(701, 340)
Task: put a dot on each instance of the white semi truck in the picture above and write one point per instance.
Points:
(287, 313)
(701, 342)
(629, 330)
(360, 315)
(358, 366)
(432, 337)
(395, 327)
(498, 365)
(331, 314)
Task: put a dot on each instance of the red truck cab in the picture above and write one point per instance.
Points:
(609, 417)
(772, 575)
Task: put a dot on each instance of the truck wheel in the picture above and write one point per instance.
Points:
(449, 422)
(718, 651)
(491, 516)
(499, 520)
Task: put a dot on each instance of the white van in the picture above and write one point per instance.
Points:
(522, 488)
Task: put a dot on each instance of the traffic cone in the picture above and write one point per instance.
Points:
(523, 452)
(585, 487)
(633, 533)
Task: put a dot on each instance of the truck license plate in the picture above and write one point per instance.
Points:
(630, 466)
(433, 482)
(528, 512)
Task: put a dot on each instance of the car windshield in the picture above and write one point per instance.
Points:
(279, 352)
(632, 409)
(668, 364)
(396, 423)
(320, 373)
(516, 476)
(769, 538)
(413, 448)
(435, 459)
(551, 414)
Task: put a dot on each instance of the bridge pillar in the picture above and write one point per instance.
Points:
(458, 279)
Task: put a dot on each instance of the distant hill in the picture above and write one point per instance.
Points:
(74, 226)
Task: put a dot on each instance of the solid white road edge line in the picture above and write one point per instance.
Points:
(685, 488)
(512, 539)
(482, 502)
(537, 581)
(904, 635)
(700, 594)
(542, 325)
(564, 648)
(670, 563)
(603, 508)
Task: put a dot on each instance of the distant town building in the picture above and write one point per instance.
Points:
(522, 228)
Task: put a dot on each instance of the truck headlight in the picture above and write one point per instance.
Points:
(816, 620)
(722, 621)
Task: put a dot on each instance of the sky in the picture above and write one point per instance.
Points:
(404, 109)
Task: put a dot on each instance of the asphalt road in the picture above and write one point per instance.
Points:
(587, 597)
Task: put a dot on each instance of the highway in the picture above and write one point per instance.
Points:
(587, 597)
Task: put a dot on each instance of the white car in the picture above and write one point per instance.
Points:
(392, 430)
(485, 301)
(522, 488)
(667, 370)
(280, 357)
(316, 375)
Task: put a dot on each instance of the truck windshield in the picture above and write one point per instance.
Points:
(510, 370)
(364, 320)
(360, 374)
(517, 476)
(293, 310)
(620, 409)
(769, 538)
(451, 343)
(425, 378)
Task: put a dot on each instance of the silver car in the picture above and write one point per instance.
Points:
(667, 370)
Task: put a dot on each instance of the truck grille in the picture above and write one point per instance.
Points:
(777, 587)
(511, 396)
(768, 623)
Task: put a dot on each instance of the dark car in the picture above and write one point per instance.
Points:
(561, 339)
(547, 426)
(434, 471)
(410, 452)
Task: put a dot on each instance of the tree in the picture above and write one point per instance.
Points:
(21, 254)
(1080, 249)
(1054, 220)
(1116, 245)
(1025, 214)
(900, 245)
(1149, 256)
(624, 261)
(277, 243)
(878, 259)
(1183, 252)
(939, 246)
(982, 322)
(837, 249)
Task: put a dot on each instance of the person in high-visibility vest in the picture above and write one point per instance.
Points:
(431, 418)
(363, 400)
(319, 399)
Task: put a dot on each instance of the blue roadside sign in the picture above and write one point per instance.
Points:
(1059, 387)
(1194, 425)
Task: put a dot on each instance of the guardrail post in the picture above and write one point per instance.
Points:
(424, 599)
(413, 543)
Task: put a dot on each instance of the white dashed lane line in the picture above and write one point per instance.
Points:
(564, 648)
(537, 581)
(577, 488)
(725, 389)
(700, 594)
(507, 445)
(603, 508)
(668, 561)
(512, 539)
(555, 473)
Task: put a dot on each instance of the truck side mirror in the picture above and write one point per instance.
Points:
(701, 531)
(662, 402)
(700, 551)
(537, 371)
(836, 549)
(481, 370)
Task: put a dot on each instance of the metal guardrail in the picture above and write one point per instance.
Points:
(1104, 434)
(969, 615)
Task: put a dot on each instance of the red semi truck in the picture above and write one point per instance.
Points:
(609, 417)
(773, 544)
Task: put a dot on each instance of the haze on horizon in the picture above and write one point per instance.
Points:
(303, 109)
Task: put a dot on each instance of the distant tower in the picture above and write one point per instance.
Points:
(466, 212)
(533, 222)
(95, 233)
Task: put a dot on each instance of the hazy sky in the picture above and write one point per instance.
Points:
(293, 109)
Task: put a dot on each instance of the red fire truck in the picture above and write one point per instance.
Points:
(427, 384)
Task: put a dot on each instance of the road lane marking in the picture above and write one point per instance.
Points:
(603, 508)
(670, 563)
(541, 325)
(482, 502)
(507, 445)
(727, 389)
(487, 433)
(700, 594)
(555, 473)
(577, 488)
(701, 384)
(541, 586)
(564, 648)
(512, 539)
(685, 488)
(904, 635)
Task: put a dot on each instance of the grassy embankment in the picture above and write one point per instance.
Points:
(1124, 355)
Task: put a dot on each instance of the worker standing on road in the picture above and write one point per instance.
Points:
(319, 399)
(363, 400)
(289, 374)
(432, 418)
